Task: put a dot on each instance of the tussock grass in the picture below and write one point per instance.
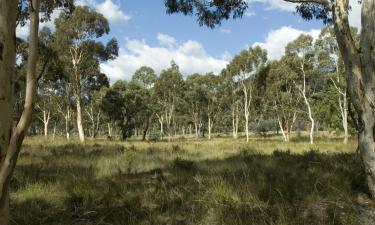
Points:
(189, 181)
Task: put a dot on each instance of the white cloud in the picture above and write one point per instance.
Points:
(85, 2)
(23, 32)
(250, 13)
(108, 8)
(112, 12)
(355, 13)
(190, 56)
(277, 40)
(225, 31)
(166, 40)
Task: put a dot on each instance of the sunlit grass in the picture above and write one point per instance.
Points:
(189, 181)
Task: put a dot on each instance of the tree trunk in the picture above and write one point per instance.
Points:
(247, 127)
(46, 118)
(209, 128)
(145, 129)
(360, 75)
(67, 130)
(196, 129)
(307, 103)
(109, 131)
(9, 148)
(282, 130)
(81, 133)
(345, 125)
(235, 121)
(54, 131)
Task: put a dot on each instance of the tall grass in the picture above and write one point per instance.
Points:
(193, 182)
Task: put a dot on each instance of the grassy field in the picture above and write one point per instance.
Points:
(195, 182)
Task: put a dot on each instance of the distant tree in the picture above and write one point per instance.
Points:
(169, 89)
(145, 76)
(330, 62)
(75, 39)
(196, 100)
(300, 54)
(212, 86)
(243, 69)
(282, 95)
(122, 103)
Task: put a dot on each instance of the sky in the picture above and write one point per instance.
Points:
(147, 36)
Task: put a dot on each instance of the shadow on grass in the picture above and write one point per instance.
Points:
(248, 188)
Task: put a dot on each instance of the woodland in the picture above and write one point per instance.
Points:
(288, 141)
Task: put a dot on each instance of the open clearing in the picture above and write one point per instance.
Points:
(222, 181)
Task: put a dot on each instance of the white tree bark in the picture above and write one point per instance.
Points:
(46, 119)
(307, 103)
(81, 133)
(8, 12)
(282, 129)
(246, 89)
(360, 77)
(11, 141)
(161, 122)
(343, 104)
(235, 120)
(76, 57)
(210, 125)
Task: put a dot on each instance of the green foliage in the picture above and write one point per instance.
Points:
(123, 102)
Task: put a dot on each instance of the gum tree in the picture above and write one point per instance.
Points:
(75, 39)
(359, 60)
(13, 12)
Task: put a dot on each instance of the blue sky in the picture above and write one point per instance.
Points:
(148, 36)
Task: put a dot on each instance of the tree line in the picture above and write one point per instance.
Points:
(304, 90)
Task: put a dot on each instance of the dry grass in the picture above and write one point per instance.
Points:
(265, 181)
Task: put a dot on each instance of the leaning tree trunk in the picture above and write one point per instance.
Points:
(11, 141)
(283, 132)
(360, 74)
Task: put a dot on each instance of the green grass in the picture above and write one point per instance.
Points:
(195, 182)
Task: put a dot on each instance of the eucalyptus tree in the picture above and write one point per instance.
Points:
(196, 100)
(122, 103)
(169, 90)
(243, 68)
(13, 12)
(301, 55)
(49, 73)
(145, 76)
(212, 86)
(359, 60)
(282, 96)
(230, 99)
(330, 62)
(76, 40)
(95, 88)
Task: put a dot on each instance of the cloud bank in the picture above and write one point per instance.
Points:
(189, 55)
